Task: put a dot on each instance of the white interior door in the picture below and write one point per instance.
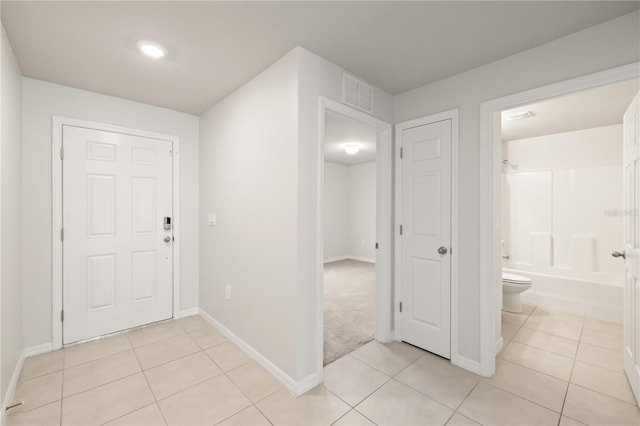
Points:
(631, 316)
(426, 237)
(117, 256)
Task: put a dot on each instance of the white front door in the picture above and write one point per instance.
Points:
(117, 256)
(631, 317)
(426, 237)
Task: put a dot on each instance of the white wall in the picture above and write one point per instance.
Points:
(362, 211)
(562, 203)
(248, 178)
(336, 211)
(349, 211)
(42, 100)
(259, 166)
(604, 46)
(10, 229)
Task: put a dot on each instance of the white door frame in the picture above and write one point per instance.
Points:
(490, 192)
(452, 115)
(56, 220)
(384, 222)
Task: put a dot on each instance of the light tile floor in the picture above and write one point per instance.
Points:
(555, 369)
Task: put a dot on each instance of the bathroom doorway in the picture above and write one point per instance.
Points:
(562, 202)
(568, 210)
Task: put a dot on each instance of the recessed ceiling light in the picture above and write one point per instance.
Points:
(518, 115)
(351, 148)
(152, 49)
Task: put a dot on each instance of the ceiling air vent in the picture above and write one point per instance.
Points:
(356, 93)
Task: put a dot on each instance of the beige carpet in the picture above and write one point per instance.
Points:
(349, 307)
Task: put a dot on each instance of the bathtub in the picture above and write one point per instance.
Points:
(595, 295)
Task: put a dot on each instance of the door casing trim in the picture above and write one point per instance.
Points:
(452, 115)
(384, 221)
(56, 220)
(490, 191)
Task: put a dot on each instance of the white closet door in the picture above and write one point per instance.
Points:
(426, 237)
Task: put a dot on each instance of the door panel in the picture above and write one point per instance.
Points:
(117, 268)
(426, 221)
(631, 316)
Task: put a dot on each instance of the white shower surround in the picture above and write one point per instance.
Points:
(562, 210)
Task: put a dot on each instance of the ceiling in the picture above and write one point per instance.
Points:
(216, 46)
(338, 131)
(602, 106)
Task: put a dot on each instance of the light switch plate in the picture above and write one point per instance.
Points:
(212, 219)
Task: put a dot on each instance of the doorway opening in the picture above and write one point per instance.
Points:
(378, 245)
(349, 235)
(490, 196)
(565, 175)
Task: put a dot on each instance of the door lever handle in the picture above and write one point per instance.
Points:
(619, 254)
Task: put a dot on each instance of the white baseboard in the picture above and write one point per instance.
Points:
(579, 307)
(306, 384)
(499, 345)
(38, 349)
(467, 364)
(297, 388)
(362, 259)
(188, 312)
(339, 258)
(335, 259)
(11, 390)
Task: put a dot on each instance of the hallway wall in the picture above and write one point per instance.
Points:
(11, 342)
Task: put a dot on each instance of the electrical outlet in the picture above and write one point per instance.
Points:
(227, 292)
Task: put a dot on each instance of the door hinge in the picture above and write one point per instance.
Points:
(400, 229)
(62, 315)
(62, 153)
(170, 153)
(401, 152)
(61, 234)
(400, 306)
(376, 246)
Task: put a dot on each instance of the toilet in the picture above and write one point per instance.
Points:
(512, 286)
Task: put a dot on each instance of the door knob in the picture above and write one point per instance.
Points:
(443, 250)
(618, 254)
(167, 239)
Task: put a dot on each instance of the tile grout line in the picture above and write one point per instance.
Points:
(568, 382)
(150, 390)
(456, 411)
(62, 389)
(255, 404)
(97, 359)
(533, 369)
(223, 373)
(633, 404)
(564, 401)
(536, 371)
(522, 397)
(545, 350)
(251, 403)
